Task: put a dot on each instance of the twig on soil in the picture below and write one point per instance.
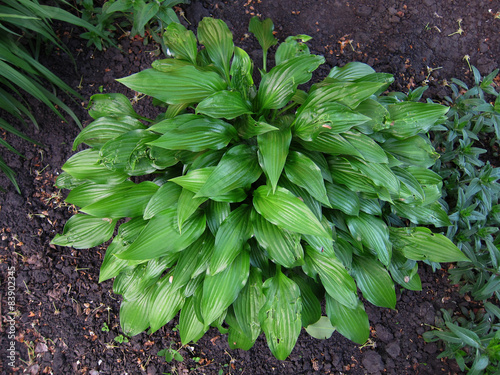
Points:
(26, 286)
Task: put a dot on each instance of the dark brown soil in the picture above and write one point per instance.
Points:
(61, 307)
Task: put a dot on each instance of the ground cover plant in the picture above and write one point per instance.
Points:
(261, 200)
(472, 192)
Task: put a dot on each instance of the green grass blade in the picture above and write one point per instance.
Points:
(9, 173)
(6, 126)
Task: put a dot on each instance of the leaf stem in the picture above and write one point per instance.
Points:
(264, 60)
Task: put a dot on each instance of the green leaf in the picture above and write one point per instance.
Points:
(481, 362)
(197, 134)
(347, 93)
(181, 42)
(134, 315)
(161, 236)
(283, 247)
(190, 328)
(355, 72)
(370, 206)
(102, 130)
(293, 46)
(344, 174)
(284, 209)
(410, 118)
(380, 174)
(90, 192)
(85, 166)
(411, 191)
(263, 31)
(311, 307)
(142, 15)
(374, 281)
(194, 179)
(413, 150)
(241, 72)
(216, 213)
(249, 128)
(280, 317)
(134, 280)
(351, 72)
(350, 322)
(218, 41)
(369, 149)
(273, 151)
(238, 168)
(187, 263)
(331, 143)
(111, 266)
(164, 303)
(248, 304)
(128, 153)
(84, 231)
(303, 172)
(207, 158)
(125, 203)
(330, 116)
(467, 336)
(172, 123)
(373, 233)
(110, 105)
(319, 159)
(343, 199)
(405, 272)
(165, 197)
(334, 277)
(322, 329)
(168, 65)
(224, 104)
(193, 285)
(279, 85)
(186, 206)
(220, 290)
(237, 339)
(186, 84)
(321, 244)
(231, 236)
(419, 214)
(420, 243)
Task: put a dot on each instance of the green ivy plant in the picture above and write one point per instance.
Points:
(256, 201)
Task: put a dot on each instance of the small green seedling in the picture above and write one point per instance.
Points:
(171, 354)
(120, 339)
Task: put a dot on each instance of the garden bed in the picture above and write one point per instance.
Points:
(68, 323)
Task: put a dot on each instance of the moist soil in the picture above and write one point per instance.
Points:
(66, 322)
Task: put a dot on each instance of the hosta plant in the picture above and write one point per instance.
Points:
(256, 201)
